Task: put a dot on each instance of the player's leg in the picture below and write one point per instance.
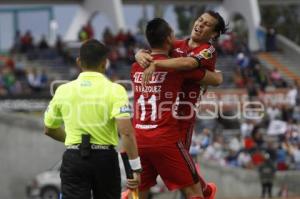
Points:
(187, 138)
(149, 174)
(193, 191)
(176, 168)
(209, 189)
(144, 194)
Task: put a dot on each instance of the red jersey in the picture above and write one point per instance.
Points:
(206, 56)
(154, 117)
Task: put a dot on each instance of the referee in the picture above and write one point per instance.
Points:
(92, 108)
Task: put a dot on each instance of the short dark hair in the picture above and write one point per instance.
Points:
(157, 31)
(92, 53)
(220, 27)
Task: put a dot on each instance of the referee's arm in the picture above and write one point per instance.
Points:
(128, 139)
(121, 113)
(58, 134)
(53, 121)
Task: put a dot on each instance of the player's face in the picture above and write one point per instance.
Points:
(203, 29)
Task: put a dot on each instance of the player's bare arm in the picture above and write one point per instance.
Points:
(58, 134)
(143, 58)
(180, 63)
(212, 78)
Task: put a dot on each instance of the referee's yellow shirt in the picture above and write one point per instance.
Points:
(88, 105)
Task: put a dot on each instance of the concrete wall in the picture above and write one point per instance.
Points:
(240, 183)
(24, 152)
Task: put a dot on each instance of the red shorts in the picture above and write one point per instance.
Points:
(186, 135)
(173, 163)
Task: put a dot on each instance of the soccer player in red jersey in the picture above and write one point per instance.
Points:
(156, 126)
(209, 26)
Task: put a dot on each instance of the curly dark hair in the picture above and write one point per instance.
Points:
(221, 27)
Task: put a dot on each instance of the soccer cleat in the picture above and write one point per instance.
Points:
(210, 191)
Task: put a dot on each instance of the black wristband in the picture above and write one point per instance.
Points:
(138, 170)
(198, 59)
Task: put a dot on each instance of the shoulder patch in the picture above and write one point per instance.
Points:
(125, 109)
(206, 53)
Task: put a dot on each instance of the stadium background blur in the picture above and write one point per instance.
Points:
(238, 138)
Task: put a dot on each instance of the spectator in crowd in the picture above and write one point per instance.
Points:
(257, 157)
(27, 42)
(231, 158)
(82, 34)
(252, 89)
(37, 81)
(296, 155)
(108, 37)
(88, 28)
(271, 40)
(244, 159)
(292, 95)
(195, 150)
(267, 173)
(43, 44)
(205, 138)
(130, 40)
(271, 150)
(296, 113)
(273, 112)
(281, 159)
(276, 79)
(242, 60)
(121, 37)
(121, 50)
(239, 81)
(59, 46)
(286, 113)
(260, 76)
(3, 91)
(9, 80)
(215, 151)
(246, 128)
(257, 136)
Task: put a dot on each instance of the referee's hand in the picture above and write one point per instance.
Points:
(134, 183)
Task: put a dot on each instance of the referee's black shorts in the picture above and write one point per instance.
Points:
(100, 173)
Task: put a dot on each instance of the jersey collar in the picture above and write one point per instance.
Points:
(91, 74)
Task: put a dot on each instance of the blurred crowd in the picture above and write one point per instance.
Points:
(276, 134)
(16, 80)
